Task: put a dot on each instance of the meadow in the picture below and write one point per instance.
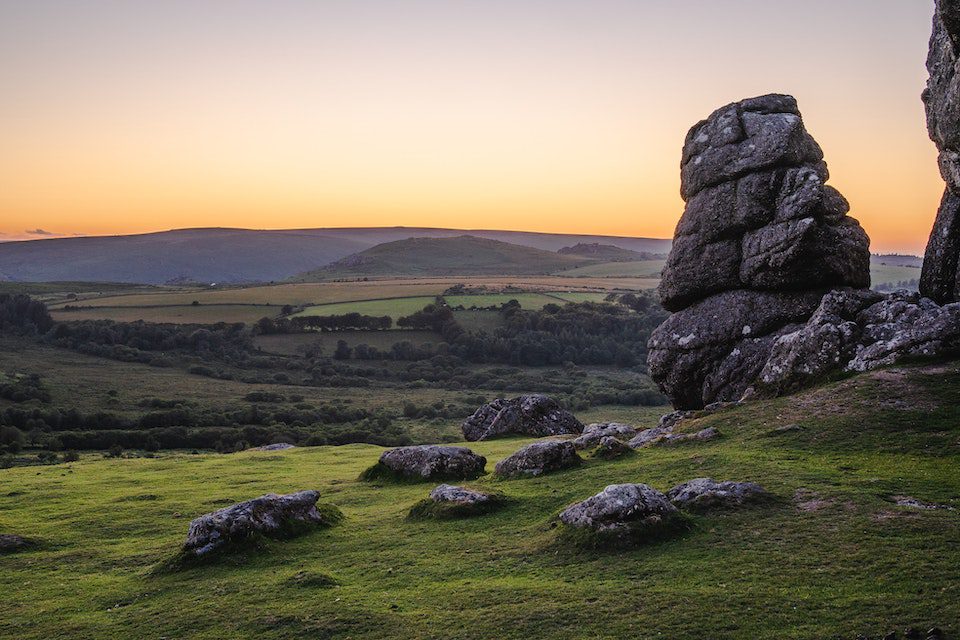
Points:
(831, 557)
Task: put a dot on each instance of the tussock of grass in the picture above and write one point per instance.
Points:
(312, 580)
(639, 534)
(380, 472)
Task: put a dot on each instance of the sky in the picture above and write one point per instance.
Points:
(126, 116)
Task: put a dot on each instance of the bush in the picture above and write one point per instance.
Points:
(115, 451)
(71, 456)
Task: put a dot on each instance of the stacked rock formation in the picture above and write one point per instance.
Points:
(761, 240)
(768, 274)
(940, 278)
(531, 415)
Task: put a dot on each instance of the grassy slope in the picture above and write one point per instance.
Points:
(463, 255)
(837, 561)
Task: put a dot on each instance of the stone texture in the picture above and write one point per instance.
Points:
(703, 494)
(433, 462)
(594, 433)
(458, 495)
(532, 415)
(539, 458)
(940, 278)
(624, 511)
(857, 330)
(759, 215)
(610, 448)
(269, 514)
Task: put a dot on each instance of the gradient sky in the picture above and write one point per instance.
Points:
(122, 116)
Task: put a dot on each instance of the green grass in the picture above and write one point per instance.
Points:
(832, 557)
(393, 307)
(176, 314)
(530, 301)
(637, 269)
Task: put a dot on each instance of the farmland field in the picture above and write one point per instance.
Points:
(639, 269)
(178, 314)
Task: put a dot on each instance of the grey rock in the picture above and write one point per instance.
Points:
(703, 494)
(940, 277)
(713, 350)
(594, 433)
(533, 415)
(649, 436)
(623, 510)
(433, 462)
(10, 543)
(610, 448)
(458, 495)
(279, 446)
(856, 330)
(759, 215)
(269, 514)
(539, 458)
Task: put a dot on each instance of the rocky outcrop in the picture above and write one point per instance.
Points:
(594, 433)
(759, 215)
(428, 462)
(704, 494)
(940, 278)
(531, 415)
(761, 239)
(270, 515)
(768, 274)
(624, 513)
(857, 331)
(610, 448)
(539, 458)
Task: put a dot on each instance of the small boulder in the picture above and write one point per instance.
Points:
(611, 448)
(622, 514)
(279, 446)
(270, 515)
(703, 494)
(459, 495)
(539, 458)
(10, 543)
(427, 462)
(710, 433)
(594, 433)
(531, 415)
(649, 436)
(449, 501)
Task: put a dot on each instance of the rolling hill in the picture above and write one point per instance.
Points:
(461, 255)
(608, 253)
(235, 255)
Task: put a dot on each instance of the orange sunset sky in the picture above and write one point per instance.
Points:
(126, 116)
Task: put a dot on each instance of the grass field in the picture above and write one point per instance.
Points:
(882, 273)
(832, 557)
(638, 269)
(475, 320)
(393, 307)
(177, 314)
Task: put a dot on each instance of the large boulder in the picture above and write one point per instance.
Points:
(594, 433)
(623, 513)
(428, 462)
(759, 215)
(270, 515)
(539, 458)
(530, 415)
(940, 278)
(704, 494)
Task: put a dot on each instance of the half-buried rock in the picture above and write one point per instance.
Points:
(449, 501)
(611, 448)
(705, 494)
(531, 415)
(427, 462)
(270, 515)
(622, 515)
(539, 458)
(594, 433)
(10, 543)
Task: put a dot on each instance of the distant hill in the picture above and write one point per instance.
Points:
(234, 255)
(461, 255)
(608, 253)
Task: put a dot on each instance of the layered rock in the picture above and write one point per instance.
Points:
(531, 415)
(940, 278)
(761, 239)
(539, 458)
(269, 515)
(428, 462)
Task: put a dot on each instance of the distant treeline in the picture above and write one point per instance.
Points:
(346, 321)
